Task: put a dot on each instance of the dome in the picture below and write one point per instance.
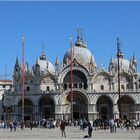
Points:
(124, 64)
(81, 54)
(46, 66)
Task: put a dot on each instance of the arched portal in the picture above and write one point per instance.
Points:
(47, 107)
(80, 105)
(105, 107)
(28, 109)
(126, 107)
(79, 80)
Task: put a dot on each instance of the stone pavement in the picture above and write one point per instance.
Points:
(71, 132)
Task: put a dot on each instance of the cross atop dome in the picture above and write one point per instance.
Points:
(80, 42)
(79, 34)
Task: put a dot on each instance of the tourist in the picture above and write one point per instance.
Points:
(90, 129)
(115, 126)
(15, 125)
(62, 128)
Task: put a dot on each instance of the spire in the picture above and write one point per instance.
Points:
(134, 60)
(43, 57)
(111, 60)
(17, 63)
(130, 64)
(57, 61)
(36, 61)
(91, 60)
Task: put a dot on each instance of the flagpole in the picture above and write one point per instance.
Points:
(23, 79)
(71, 80)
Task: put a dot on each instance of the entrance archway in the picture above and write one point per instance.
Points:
(80, 105)
(126, 107)
(28, 109)
(105, 107)
(47, 107)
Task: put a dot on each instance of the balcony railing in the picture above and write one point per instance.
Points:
(67, 86)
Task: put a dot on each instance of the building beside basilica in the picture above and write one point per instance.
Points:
(95, 90)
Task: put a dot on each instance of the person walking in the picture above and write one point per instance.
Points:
(115, 126)
(62, 128)
(90, 129)
(15, 125)
(31, 125)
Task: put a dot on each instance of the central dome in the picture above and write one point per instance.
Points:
(80, 53)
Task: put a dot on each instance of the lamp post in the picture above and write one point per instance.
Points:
(119, 53)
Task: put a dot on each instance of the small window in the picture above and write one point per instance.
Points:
(122, 86)
(85, 86)
(16, 69)
(65, 86)
(80, 85)
(48, 88)
(3, 86)
(102, 87)
(69, 85)
(75, 85)
(28, 88)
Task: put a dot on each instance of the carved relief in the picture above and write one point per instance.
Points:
(101, 79)
(47, 80)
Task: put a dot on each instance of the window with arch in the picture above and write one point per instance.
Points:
(122, 87)
(65, 86)
(102, 87)
(48, 88)
(28, 88)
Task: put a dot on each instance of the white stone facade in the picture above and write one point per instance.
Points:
(95, 90)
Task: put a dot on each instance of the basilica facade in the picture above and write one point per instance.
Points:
(47, 88)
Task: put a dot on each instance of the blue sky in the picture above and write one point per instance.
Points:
(52, 23)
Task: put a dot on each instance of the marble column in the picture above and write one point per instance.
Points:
(116, 111)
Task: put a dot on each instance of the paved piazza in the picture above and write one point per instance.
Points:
(71, 132)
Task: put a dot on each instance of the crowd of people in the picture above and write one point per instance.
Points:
(82, 124)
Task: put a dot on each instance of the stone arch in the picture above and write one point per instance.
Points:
(104, 106)
(79, 80)
(28, 108)
(80, 105)
(67, 70)
(65, 93)
(46, 107)
(126, 105)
